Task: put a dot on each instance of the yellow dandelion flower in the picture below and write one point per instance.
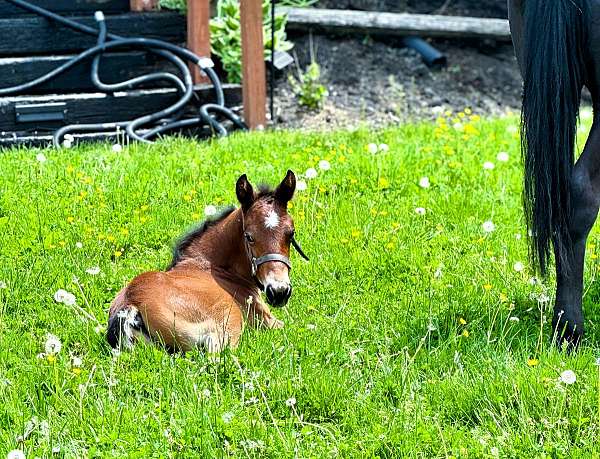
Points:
(462, 321)
(342, 159)
(110, 238)
(532, 362)
(70, 169)
(475, 117)
(383, 213)
(51, 358)
(487, 287)
(468, 111)
(439, 227)
(593, 256)
(503, 298)
(383, 182)
(355, 233)
(461, 115)
(124, 231)
(322, 189)
(465, 334)
(76, 371)
(118, 253)
(373, 212)
(187, 198)
(390, 245)
(144, 208)
(70, 219)
(344, 241)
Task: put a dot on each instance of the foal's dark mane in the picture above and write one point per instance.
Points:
(185, 241)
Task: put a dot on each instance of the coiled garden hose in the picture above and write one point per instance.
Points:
(157, 123)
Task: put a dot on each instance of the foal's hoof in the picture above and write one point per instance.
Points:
(567, 335)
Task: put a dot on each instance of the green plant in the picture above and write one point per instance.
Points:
(226, 40)
(307, 86)
(180, 5)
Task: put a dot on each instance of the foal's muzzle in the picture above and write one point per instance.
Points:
(278, 296)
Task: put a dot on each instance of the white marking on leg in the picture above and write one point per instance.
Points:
(272, 220)
(129, 325)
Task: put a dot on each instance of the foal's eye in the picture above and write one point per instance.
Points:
(249, 237)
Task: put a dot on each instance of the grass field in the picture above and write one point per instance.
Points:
(416, 330)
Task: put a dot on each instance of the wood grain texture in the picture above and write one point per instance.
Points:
(198, 33)
(254, 86)
(39, 36)
(143, 5)
(66, 6)
(97, 107)
(114, 67)
(426, 25)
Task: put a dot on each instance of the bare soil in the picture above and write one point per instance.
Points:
(380, 82)
(377, 81)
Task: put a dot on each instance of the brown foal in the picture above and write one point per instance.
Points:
(215, 279)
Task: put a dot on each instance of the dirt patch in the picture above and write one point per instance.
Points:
(378, 82)
(478, 8)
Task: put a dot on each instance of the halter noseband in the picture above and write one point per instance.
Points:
(255, 262)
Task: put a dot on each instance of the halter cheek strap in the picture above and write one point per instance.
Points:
(256, 262)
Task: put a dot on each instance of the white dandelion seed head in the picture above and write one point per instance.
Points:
(227, 417)
(252, 401)
(437, 110)
(488, 226)
(290, 402)
(3, 285)
(324, 165)
(76, 361)
(502, 157)
(597, 362)
(514, 319)
(99, 329)
(518, 236)
(311, 327)
(210, 210)
(248, 386)
(372, 147)
(117, 148)
(424, 182)
(15, 454)
(512, 129)
(458, 127)
(79, 245)
(543, 298)
(93, 271)
(310, 173)
(53, 344)
(488, 165)
(384, 147)
(518, 266)
(301, 185)
(494, 451)
(206, 393)
(41, 157)
(568, 377)
(420, 211)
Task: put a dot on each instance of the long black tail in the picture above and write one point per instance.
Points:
(553, 47)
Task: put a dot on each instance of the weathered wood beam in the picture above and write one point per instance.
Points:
(198, 33)
(254, 82)
(402, 24)
(35, 35)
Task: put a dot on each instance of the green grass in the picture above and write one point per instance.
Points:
(398, 342)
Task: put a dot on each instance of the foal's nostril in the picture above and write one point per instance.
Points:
(270, 294)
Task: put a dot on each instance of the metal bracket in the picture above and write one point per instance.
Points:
(35, 113)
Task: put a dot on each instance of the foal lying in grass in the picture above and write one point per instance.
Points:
(215, 278)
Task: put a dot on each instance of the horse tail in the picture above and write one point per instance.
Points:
(553, 73)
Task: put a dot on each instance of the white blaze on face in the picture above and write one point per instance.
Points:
(272, 220)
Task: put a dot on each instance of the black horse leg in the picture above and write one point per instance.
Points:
(585, 201)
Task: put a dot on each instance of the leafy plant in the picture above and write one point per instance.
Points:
(307, 86)
(226, 39)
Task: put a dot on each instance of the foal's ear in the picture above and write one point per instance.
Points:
(244, 192)
(285, 191)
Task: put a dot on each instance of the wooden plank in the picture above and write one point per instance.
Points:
(8, 10)
(97, 107)
(114, 67)
(198, 33)
(33, 35)
(254, 83)
(143, 5)
(427, 25)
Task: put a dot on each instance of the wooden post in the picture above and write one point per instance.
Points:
(143, 5)
(254, 83)
(198, 33)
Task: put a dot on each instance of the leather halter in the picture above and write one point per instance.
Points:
(255, 262)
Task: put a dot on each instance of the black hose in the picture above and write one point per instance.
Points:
(168, 118)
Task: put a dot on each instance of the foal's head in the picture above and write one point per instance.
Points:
(268, 233)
